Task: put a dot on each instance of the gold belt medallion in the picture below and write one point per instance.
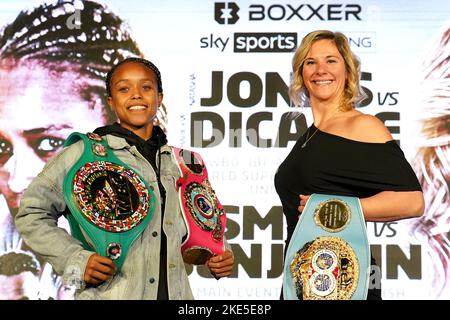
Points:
(325, 269)
(332, 215)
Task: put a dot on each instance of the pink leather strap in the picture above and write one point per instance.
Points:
(204, 215)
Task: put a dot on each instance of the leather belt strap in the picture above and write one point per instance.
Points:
(203, 214)
(328, 257)
(110, 204)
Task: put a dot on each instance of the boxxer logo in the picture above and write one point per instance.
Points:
(226, 12)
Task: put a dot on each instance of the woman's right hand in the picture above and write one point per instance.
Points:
(99, 269)
(303, 200)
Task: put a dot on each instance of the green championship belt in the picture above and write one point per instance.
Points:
(108, 201)
(328, 257)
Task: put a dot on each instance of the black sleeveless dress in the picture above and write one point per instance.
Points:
(331, 164)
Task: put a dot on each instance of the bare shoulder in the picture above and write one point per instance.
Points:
(368, 128)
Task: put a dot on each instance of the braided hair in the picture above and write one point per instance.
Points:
(84, 36)
(145, 62)
(161, 118)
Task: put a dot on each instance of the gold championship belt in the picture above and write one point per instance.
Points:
(328, 257)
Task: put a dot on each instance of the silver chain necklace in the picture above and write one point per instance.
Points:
(309, 137)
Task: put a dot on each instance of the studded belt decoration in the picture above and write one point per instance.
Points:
(203, 214)
(108, 201)
(328, 257)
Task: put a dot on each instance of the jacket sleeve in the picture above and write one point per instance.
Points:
(37, 219)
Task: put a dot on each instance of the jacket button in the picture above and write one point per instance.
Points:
(154, 233)
(151, 280)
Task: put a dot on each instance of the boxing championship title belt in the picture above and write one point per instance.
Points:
(108, 201)
(328, 257)
(203, 214)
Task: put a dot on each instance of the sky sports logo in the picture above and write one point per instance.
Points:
(265, 42)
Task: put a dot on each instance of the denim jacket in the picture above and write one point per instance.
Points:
(43, 203)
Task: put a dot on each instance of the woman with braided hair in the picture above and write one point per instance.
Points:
(138, 208)
(53, 62)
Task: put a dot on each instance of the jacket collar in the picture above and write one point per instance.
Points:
(119, 137)
(116, 142)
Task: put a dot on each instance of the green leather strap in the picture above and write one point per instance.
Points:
(95, 189)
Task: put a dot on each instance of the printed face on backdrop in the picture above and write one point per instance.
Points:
(39, 108)
(19, 276)
(134, 95)
(324, 72)
(21, 286)
(53, 60)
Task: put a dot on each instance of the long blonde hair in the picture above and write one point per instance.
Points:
(432, 161)
(352, 91)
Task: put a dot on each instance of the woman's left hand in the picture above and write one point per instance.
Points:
(221, 265)
(303, 200)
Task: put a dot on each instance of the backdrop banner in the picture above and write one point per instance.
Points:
(226, 68)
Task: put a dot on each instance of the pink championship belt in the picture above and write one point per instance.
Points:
(204, 215)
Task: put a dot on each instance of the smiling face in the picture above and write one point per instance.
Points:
(38, 110)
(135, 98)
(324, 73)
